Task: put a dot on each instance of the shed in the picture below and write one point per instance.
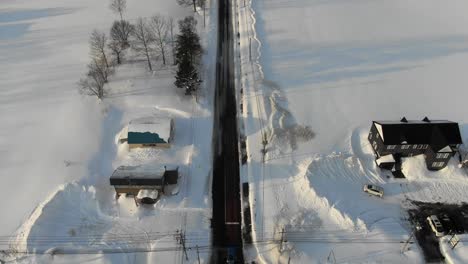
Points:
(132, 179)
(386, 162)
(147, 196)
(150, 132)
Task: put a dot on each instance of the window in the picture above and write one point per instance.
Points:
(420, 146)
(370, 135)
(374, 144)
(391, 146)
(437, 164)
(415, 146)
(405, 146)
(442, 155)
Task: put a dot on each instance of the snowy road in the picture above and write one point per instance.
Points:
(226, 182)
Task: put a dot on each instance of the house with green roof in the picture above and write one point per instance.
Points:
(150, 132)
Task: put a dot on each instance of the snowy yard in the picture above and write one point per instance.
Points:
(316, 75)
(59, 148)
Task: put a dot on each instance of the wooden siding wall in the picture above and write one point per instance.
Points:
(159, 145)
(133, 190)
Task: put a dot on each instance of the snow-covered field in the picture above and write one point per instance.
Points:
(317, 74)
(58, 148)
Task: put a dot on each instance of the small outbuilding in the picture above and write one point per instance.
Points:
(131, 180)
(386, 162)
(147, 196)
(150, 132)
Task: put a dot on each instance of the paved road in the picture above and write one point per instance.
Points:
(226, 223)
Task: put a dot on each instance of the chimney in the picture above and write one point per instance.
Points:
(403, 120)
(426, 119)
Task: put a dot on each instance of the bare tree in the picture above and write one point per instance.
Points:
(171, 29)
(117, 50)
(89, 87)
(188, 3)
(143, 39)
(160, 32)
(98, 43)
(99, 69)
(121, 31)
(118, 7)
(95, 80)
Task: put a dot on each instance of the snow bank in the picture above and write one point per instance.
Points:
(53, 221)
(457, 255)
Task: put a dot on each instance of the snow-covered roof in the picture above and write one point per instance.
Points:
(385, 159)
(147, 193)
(446, 149)
(387, 122)
(151, 126)
(140, 172)
(437, 134)
(379, 129)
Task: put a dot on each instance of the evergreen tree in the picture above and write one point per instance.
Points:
(187, 53)
(187, 76)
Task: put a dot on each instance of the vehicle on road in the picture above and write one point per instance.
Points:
(374, 190)
(436, 225)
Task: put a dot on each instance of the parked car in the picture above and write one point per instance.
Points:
(374, 190)
(436, 225)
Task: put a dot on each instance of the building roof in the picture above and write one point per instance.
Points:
(149, 131)
(138, 175)
(155, 175)
(140, 171)
(147, 193)
(437, 133)
(385, 159)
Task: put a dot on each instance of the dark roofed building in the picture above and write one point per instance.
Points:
(438, 140)
(132, 179)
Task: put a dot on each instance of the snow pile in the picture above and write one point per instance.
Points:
(457, 255)
(54, 225)
(446, 186)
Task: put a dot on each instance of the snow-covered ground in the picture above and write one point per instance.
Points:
(316, 75)
(59, 148)
(459, 254)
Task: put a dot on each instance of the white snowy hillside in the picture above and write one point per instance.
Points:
(316, 75)
(59, 148)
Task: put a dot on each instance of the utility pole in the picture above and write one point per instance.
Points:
(282, 240)
(198, 255)
(331, 257)
(250, 48)
(182, 242)
(454, 240)
(403, 249)
(204, 14)
(264, 144)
